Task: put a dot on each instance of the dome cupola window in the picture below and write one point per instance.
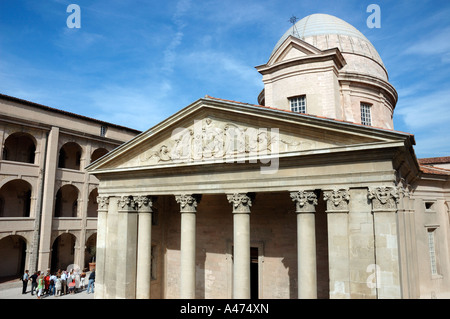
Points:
(298, 104)
(365, 114)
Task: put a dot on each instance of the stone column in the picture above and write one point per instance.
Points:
(126, 249)
(384, 208)
(241, 245)
(144, 248)
(338, 242)
(100, 257)
(188, 208)
(306, 243)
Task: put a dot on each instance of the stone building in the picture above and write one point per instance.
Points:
(310, 194)
(48, 202)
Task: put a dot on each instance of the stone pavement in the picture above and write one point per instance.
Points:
(13, 290)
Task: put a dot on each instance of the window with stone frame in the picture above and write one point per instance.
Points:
(431, 233)
(298, 104)
(366, 118)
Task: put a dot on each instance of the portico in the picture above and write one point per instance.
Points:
(318, 221)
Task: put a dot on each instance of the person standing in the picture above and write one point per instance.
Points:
(91, 281)
(34, 278)
(41, 286)
(63, 283)
(25, 279)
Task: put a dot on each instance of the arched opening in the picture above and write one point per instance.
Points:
(13, 253)
(66, 203)
(19, 147)
(92, 204)
(63, 252)
(90, 251)
(70, 156)
(15, 199)
(99, 152)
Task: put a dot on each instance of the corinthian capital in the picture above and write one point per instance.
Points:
(304, 201)
(188, 203)
(103, 202)
(144, 203)
(337, 200)
(384, 198)
(241, 202)
(126, 202)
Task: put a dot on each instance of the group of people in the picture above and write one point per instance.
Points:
(57, 284)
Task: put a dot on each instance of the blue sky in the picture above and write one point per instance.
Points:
(136, 62)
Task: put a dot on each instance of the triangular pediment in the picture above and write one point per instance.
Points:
(293, 48)
(212, 131)
(296, 51)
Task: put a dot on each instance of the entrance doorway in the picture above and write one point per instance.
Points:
(254, 273)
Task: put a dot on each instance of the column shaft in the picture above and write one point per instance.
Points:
(306, 243)
(188, 208)
(144, 248)
(306, 254)
(241, 265)
(188, 255)
(241, 241)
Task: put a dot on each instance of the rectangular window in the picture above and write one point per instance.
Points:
(365, 114)
(298, 104)
(432, 249)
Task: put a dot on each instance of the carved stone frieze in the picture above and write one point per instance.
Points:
(305, 201)
(337, 200)
(241, 202)
(384, 198)
(210, 139)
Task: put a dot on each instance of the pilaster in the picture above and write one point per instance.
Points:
(103, 204)
(338, 242)
(384, 208)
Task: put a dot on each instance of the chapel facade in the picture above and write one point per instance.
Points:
(309, 194)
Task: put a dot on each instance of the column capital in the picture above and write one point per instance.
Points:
(143, 204)
(126, 203)
(384, 198)
(188, 203)
(305, 201)
(241, 202)
(337, 200)
(103, 203)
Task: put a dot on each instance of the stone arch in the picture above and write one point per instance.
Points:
(70, 156)
(66, 201)
(20, 147)
(15, 199)
(63, 251)
(91, 249)
(13, 254)
(99, 152)
(92, 204)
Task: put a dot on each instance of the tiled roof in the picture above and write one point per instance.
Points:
(435, 160)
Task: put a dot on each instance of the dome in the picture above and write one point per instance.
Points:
(325, 31)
